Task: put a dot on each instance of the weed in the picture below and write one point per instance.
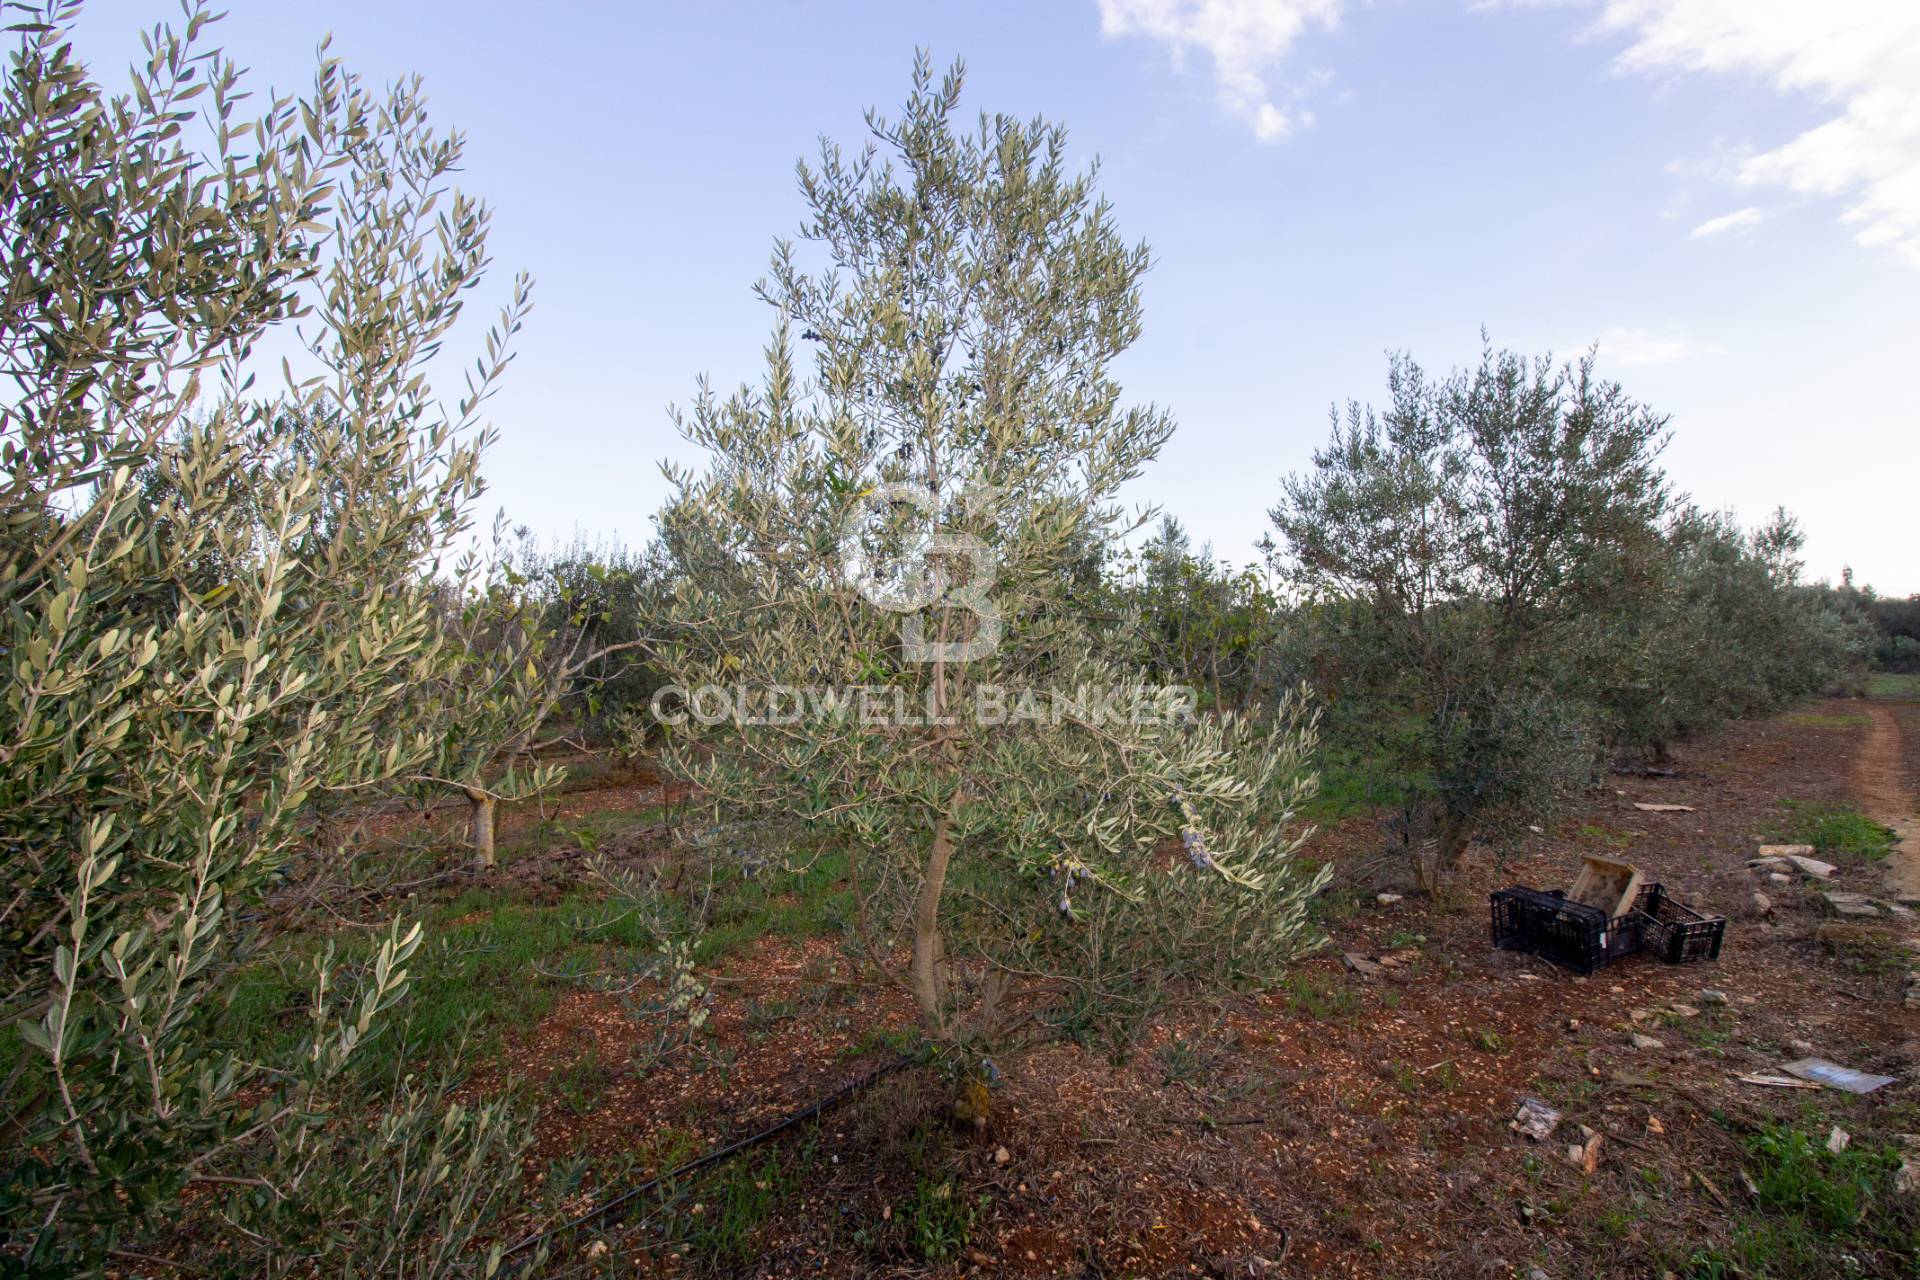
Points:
(1315, 1000)
(1795, 1175)
(1834, 830)
(731, 1208)
(1865, 948)
(1817, 1205)
(580, 1086)
(941, 1220)
(1181, 1060)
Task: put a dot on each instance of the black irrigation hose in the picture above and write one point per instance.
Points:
(610, 1211)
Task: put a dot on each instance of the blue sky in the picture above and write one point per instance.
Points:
(1724, 193)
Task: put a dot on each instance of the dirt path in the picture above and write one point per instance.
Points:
(1879, 777)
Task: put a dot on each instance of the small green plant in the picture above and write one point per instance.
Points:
(1834, 831)
(1708, 1264)
(732, 1208)
(941, 1220)
(579, 1086)
(1181, 1061)
(1794, 1175)
(1318, 1001)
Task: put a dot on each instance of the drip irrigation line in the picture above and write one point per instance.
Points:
(611, 1210)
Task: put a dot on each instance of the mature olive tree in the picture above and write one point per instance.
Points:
(883, 563)
(1452, 550)
(216, 604)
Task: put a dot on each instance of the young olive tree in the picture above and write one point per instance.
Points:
(1450, 550)
(887, 561)
(217, 604)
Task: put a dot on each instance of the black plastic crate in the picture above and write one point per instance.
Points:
(1674, 931)
(1570, 934)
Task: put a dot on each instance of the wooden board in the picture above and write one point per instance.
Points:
(1606, 884)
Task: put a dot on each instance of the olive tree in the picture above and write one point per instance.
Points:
(217, 601)
(1450, 550)
(1200, 620)
(1724, 630)
(881, 568)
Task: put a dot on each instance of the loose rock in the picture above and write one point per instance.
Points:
(1850, 906)
(1360, 965)
(1535, 1119)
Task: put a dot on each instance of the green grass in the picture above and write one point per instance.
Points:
(809, 902)
(1591, 834)
(733, 1203)
(1893, 684)
(1352, 786)
(1833, 830)
(472, 978)
(1811, 1207)
(1319, 1001)
(475, 977)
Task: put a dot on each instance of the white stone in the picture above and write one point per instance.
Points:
(1814, 867)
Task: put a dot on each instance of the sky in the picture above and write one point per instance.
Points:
(1723, 194)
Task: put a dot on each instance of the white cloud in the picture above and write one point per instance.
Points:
(1862, 56)
(1640, 347)
(1247, 40)
(1750, 216)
